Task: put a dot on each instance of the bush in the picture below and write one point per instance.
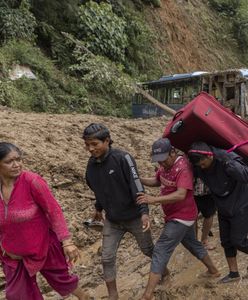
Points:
(140, 53)
(226, 7)
(52, 91)
(17, 23)
(102, 30)
(155, 3)
(105, 79)
(10, 95)
(237, 13)
(240, 26)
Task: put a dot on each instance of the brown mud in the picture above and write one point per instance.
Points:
(53, 147)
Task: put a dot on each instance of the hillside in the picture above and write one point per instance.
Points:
(86, 55)
(192, 36)
(53, 147)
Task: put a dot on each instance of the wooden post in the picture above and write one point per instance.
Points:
(243, 98)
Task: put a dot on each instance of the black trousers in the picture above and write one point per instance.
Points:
(233, 233)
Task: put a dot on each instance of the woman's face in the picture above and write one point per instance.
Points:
(11, 165)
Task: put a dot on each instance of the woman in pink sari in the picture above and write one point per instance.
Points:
(34, 236)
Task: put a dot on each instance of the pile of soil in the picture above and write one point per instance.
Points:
(53, 147)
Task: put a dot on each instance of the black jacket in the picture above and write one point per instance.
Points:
(115, 182)
(227, 179)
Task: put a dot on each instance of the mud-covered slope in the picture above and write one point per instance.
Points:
(53, 147)
(191, 37)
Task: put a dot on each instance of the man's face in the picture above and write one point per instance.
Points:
(96, 147)
(166, 164)
(205, 163)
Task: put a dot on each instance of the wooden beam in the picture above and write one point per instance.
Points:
(155, 101)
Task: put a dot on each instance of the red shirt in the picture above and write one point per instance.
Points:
(26, 220)
(178, 176)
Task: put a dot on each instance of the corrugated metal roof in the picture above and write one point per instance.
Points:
(182, 76)
(176, 77)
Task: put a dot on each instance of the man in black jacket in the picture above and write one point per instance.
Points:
(113, 177)
(227, 177)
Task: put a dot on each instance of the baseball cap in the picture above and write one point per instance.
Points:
(161, 149)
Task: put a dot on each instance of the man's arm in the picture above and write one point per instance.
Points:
(233, 165)
(131, 173)
(150, 181)
(173, 197)
(237, 170)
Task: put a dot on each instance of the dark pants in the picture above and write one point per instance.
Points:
(206, 205)
(112, 235)
(233, 233)
(172, 235)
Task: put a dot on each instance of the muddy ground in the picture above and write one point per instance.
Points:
(53, 147)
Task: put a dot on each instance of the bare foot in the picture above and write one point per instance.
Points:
(208, 246)
(209, 275)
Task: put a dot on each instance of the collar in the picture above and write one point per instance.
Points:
(101, 159)
(177, 159)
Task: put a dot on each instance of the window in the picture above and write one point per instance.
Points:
(175, 95)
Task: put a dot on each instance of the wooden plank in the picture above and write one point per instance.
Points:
(155, 101)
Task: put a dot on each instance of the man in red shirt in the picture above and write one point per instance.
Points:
(175, 179)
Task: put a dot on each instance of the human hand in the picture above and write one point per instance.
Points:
(144, 198)
(145, 222)
(71, 252)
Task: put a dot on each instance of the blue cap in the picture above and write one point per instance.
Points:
(161, 149)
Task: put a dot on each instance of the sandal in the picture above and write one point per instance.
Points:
(96, 225)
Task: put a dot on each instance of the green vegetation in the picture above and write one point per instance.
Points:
(52, 91)
(117, 51)
(102, 30)
(106, 80)
(86, 54)
(17, 23)
(236, 11)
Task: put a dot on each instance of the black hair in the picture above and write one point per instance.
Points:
(195, 157)
(6, 148)
(97, 131)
